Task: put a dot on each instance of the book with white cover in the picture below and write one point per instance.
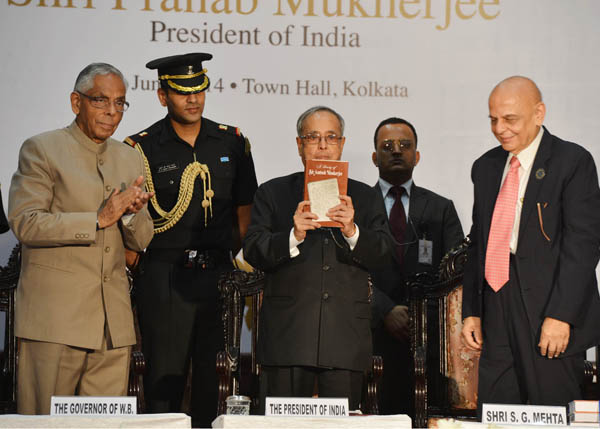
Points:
(583, 418)
(581, 406)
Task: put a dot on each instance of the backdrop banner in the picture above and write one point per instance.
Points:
(432, 62)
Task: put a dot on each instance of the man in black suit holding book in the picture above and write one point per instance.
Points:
(315, 315)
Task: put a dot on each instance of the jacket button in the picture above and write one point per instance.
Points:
(326, 267)
(325, 296)
(101, 161)
(107, 188)
(326, 241)
(107, 249)
(78, 235)
(106, 278)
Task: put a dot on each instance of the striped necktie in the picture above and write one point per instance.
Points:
(497, 256)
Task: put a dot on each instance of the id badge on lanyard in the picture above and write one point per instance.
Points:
(425, 251)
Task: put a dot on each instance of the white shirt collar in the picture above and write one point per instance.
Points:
(527, 155)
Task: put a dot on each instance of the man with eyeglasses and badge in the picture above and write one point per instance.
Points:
(203, 176)
(425, 226)
(75, 204)
(315, 314)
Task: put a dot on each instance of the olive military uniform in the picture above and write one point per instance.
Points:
(176, 289)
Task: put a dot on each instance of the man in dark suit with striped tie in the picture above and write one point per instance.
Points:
(530, 299)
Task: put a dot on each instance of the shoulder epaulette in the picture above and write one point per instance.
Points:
(236, 131)
(130, 142)
(230, 130)
(136, 138)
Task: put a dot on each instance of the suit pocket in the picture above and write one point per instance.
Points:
(50, 267)
(56, 258)
(362, 309)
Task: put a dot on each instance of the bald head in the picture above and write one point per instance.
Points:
(521, 85)
(516, 112)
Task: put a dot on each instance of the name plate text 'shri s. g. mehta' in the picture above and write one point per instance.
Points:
(508, 414)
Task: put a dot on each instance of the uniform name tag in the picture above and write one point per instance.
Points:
(507, 414)
(307, 407)
(425, 252)
(93, 406)
(165, 168)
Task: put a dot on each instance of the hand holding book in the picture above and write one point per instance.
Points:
(344, 214)
(304, 220)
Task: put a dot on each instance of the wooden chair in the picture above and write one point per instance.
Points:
(137, 365)
(446, 380)
(9, 278)
(235, 287)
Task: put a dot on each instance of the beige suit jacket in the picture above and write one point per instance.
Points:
(73, 280)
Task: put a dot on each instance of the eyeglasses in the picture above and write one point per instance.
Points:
(315, 138)
(388, 144)
(103, 103)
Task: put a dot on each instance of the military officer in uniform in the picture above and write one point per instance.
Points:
(204, 180)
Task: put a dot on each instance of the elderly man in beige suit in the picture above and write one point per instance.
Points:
(75, 204)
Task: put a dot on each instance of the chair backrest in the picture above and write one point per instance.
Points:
(462, 364)
(235, 287)
(9, 277)
(137, 364)
(445, 371)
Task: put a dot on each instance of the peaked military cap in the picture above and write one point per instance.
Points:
(182, 73)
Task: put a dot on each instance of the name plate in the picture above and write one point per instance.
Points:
(93, 406)
(307, 407)
(508, 414)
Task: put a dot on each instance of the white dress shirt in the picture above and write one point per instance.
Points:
(294, 243)
(526, 158)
